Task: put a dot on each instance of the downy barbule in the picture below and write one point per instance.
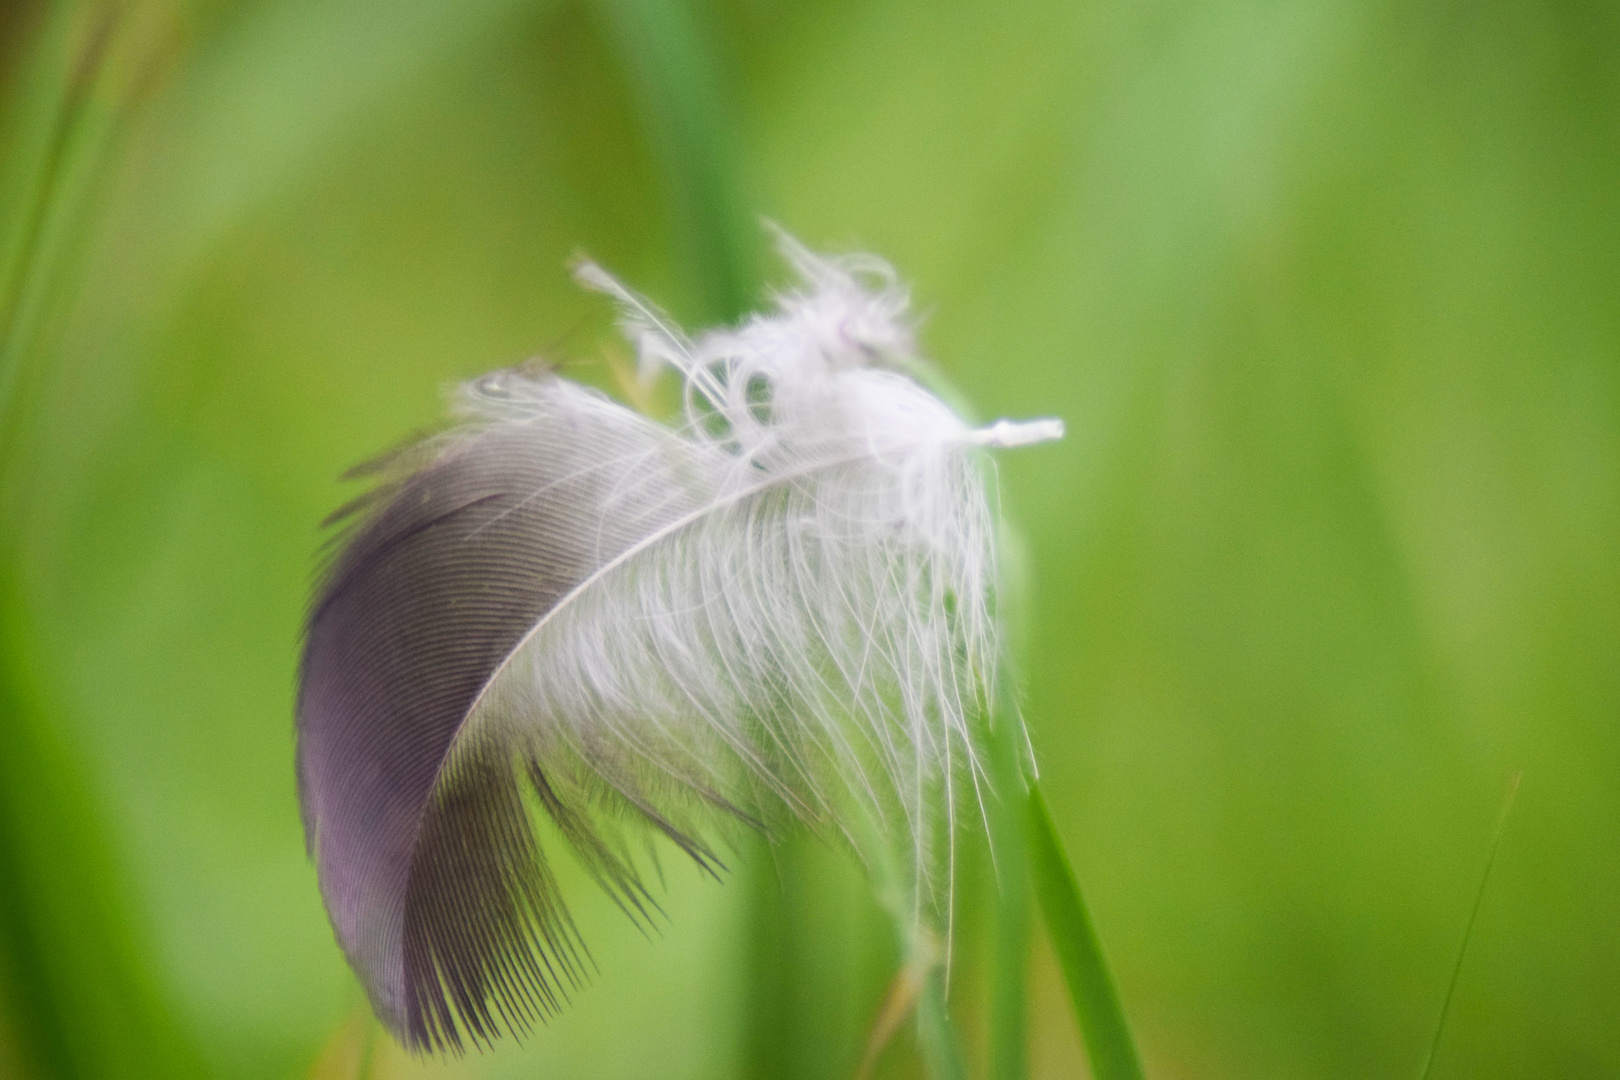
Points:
(780, 610)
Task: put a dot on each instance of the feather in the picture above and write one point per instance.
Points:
(781, 609)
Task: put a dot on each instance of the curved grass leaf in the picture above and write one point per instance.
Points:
(1096, 1001)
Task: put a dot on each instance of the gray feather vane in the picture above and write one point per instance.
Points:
(779, 610)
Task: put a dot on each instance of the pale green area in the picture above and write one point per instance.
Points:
(1326, 292)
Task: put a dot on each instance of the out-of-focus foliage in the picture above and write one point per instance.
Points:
(1326, 292)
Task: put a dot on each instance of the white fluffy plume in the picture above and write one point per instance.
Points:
(782, 609)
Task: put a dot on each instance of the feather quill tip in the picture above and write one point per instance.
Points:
(1009, 434)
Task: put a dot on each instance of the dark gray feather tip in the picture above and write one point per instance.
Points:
(437, 890)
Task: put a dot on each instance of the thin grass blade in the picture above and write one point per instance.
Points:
(1091, 985)
(935, 1032)
(671, 58)
(1468, 929)
(1007, 811)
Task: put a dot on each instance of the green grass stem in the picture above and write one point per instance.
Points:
(935, 1033)
(671, 57)
(1468, 928)
(1007, 809)
(83, 1003)
(1091, 986)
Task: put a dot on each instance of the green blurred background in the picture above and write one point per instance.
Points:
(1326, 292)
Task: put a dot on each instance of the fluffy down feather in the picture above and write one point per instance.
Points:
(781, 610)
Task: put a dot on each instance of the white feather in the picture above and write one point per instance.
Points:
(781, 609)
(794, 605)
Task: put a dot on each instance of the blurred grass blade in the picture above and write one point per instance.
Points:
(1007, 811)
(935, 1032)
(1468, 928)
(80, 995)
(1102, 1020)
(33, 128)
(91, 63)
(898, 1002)
(49, 142)
(83, 999)
(671, 61)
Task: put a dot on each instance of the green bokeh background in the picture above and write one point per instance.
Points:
(1326, 292)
